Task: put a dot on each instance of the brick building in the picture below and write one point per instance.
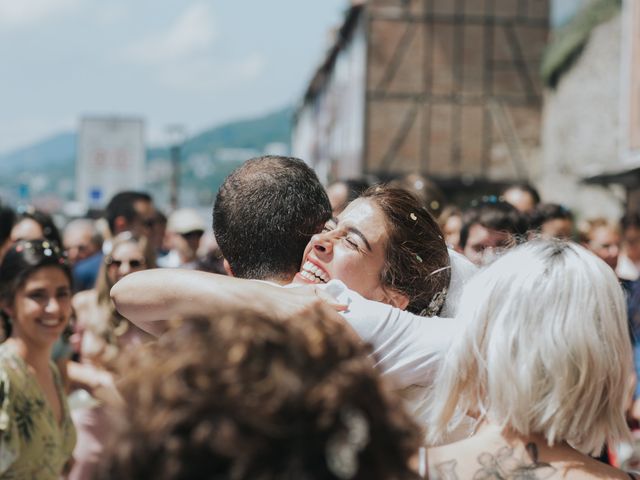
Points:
(448, 88)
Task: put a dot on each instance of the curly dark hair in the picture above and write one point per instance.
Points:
(246, 396)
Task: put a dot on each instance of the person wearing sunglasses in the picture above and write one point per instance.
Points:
(184, 231)
(105, 333)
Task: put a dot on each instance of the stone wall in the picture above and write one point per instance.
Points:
(581, 127)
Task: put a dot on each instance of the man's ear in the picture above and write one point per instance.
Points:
(396, 298)
(227, 267)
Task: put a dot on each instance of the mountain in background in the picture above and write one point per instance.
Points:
(48, 166)
(54, 152)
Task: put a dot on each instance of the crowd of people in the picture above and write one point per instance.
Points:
(365, 330)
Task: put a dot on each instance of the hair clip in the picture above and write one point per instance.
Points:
(435, 304)
(440, 270)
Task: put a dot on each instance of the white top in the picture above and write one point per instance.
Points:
(407, 347)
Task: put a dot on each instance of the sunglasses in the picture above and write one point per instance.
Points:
(43, 247)
(134, 263)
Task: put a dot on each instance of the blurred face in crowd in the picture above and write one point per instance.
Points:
(451, 230)
(338, 194)
(520, 199)
(561, 228)
(78, 244)
(604, 241)
(158, 234)
(350, 248)
(632, 243)
(144, 223)
(187, 244)
(26, 229)
(125, 258)
(483, 244)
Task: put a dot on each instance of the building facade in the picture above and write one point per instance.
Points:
(446, 88)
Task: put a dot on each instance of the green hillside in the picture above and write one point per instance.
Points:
(48, 166)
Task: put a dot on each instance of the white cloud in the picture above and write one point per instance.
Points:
(205, 75)
(110, 13)
(183, 57)
(24, 13)
(251, 67)
(191, 34)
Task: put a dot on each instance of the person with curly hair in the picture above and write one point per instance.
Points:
(245, 396)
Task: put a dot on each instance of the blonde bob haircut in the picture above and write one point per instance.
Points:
(546, 349)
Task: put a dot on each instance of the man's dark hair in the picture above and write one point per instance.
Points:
(493, 214)
(545, 212)
(265, 213)
(122, 205)
(49, 229)
(7, 220)
(629, 220)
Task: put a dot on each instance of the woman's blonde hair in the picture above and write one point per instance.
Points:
(546, 349)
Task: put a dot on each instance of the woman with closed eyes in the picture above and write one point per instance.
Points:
(387, 248)
(384, 256)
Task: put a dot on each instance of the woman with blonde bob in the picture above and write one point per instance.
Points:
(544, 366)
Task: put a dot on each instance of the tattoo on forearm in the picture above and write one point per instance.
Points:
(504, 465)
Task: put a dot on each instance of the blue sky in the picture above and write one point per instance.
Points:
(196, 63)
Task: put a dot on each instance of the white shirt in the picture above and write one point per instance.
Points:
(407, 347)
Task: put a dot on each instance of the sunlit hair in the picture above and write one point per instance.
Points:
(246, 396)
(416, 257)
(546, 349)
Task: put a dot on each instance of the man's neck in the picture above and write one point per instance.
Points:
(279, 280)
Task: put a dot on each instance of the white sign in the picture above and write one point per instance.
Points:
(111, 157)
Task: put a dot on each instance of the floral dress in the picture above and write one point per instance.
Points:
(33, 445)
